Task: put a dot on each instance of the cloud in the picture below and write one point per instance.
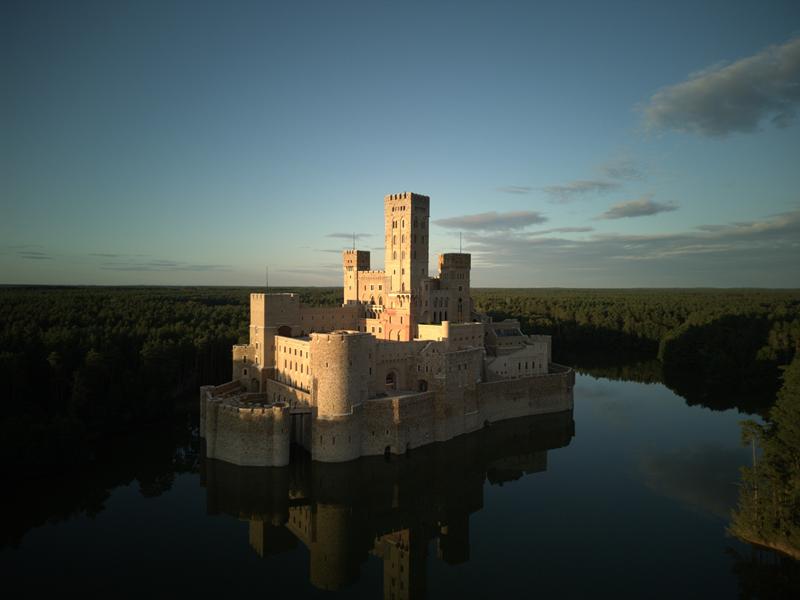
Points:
(349, 236)
(561, 230)
(643, 207)
(515, 189)
(761, 252)
(732, 98)
(493, 221)
(329, 250)
(34, 255)
(159, 265)
(322, 269)
(575, 189)
(703, 477)
(623, 169)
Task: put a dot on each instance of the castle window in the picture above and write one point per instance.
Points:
(244, 372)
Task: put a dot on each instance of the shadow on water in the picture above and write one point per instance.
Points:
(153, 457)
(345, 512)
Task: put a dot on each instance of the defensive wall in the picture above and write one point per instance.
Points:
(246, 429)
(342, 423)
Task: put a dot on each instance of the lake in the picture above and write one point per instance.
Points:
(627, 496)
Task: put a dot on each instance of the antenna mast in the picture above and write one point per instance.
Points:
(267, 279)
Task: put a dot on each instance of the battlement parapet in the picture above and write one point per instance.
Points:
(455, 260)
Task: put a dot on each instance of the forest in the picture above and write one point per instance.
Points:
(719, 348)
(768, 513)
(80, 364)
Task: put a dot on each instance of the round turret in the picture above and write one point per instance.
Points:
(340, 364)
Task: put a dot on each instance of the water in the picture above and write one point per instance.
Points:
(634, 504)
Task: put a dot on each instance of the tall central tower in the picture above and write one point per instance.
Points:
(406, 225)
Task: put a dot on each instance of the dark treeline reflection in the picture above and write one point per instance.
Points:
(345, 512)
(153, 458)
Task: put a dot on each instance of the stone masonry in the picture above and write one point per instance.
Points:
(404, 362)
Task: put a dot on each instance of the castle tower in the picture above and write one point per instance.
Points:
(406, 230)
(342, 363)
(353, 261)
(454, 269)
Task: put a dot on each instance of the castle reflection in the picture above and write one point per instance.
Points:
(343, 512)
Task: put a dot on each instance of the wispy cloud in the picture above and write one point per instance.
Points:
(493, 221)
(623, 169)
(759, 252)
(641, 207)
(732, 98)
(34, 255)
(515, 189)
(349, 236)
(327, 269)
(561, 230)
(574, 190)
(133, 264)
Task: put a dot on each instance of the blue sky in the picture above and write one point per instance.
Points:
(616, 144)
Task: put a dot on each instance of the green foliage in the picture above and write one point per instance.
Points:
(769, 500)
(719, 348)
(77, 364)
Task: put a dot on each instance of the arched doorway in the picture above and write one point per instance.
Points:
(391, 380)
(422, 385)
(285, 331)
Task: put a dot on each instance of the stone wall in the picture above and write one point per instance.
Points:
(292, 362)
(327, 318)
(246, 433)
(341, 364)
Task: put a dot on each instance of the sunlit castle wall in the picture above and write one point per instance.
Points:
(342, 365)
(250, 435)
(353, 262)
(454, 284)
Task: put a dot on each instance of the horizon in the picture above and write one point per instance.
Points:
(578, 146)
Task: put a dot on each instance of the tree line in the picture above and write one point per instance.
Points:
(80, 363)
(768, 512)
(719, 348)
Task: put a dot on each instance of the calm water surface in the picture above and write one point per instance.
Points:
(627, 496)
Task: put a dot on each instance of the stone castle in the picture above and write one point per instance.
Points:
(403, 362)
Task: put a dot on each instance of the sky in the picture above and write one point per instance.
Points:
(568, 144)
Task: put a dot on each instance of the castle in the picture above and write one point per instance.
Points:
(403, 362)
